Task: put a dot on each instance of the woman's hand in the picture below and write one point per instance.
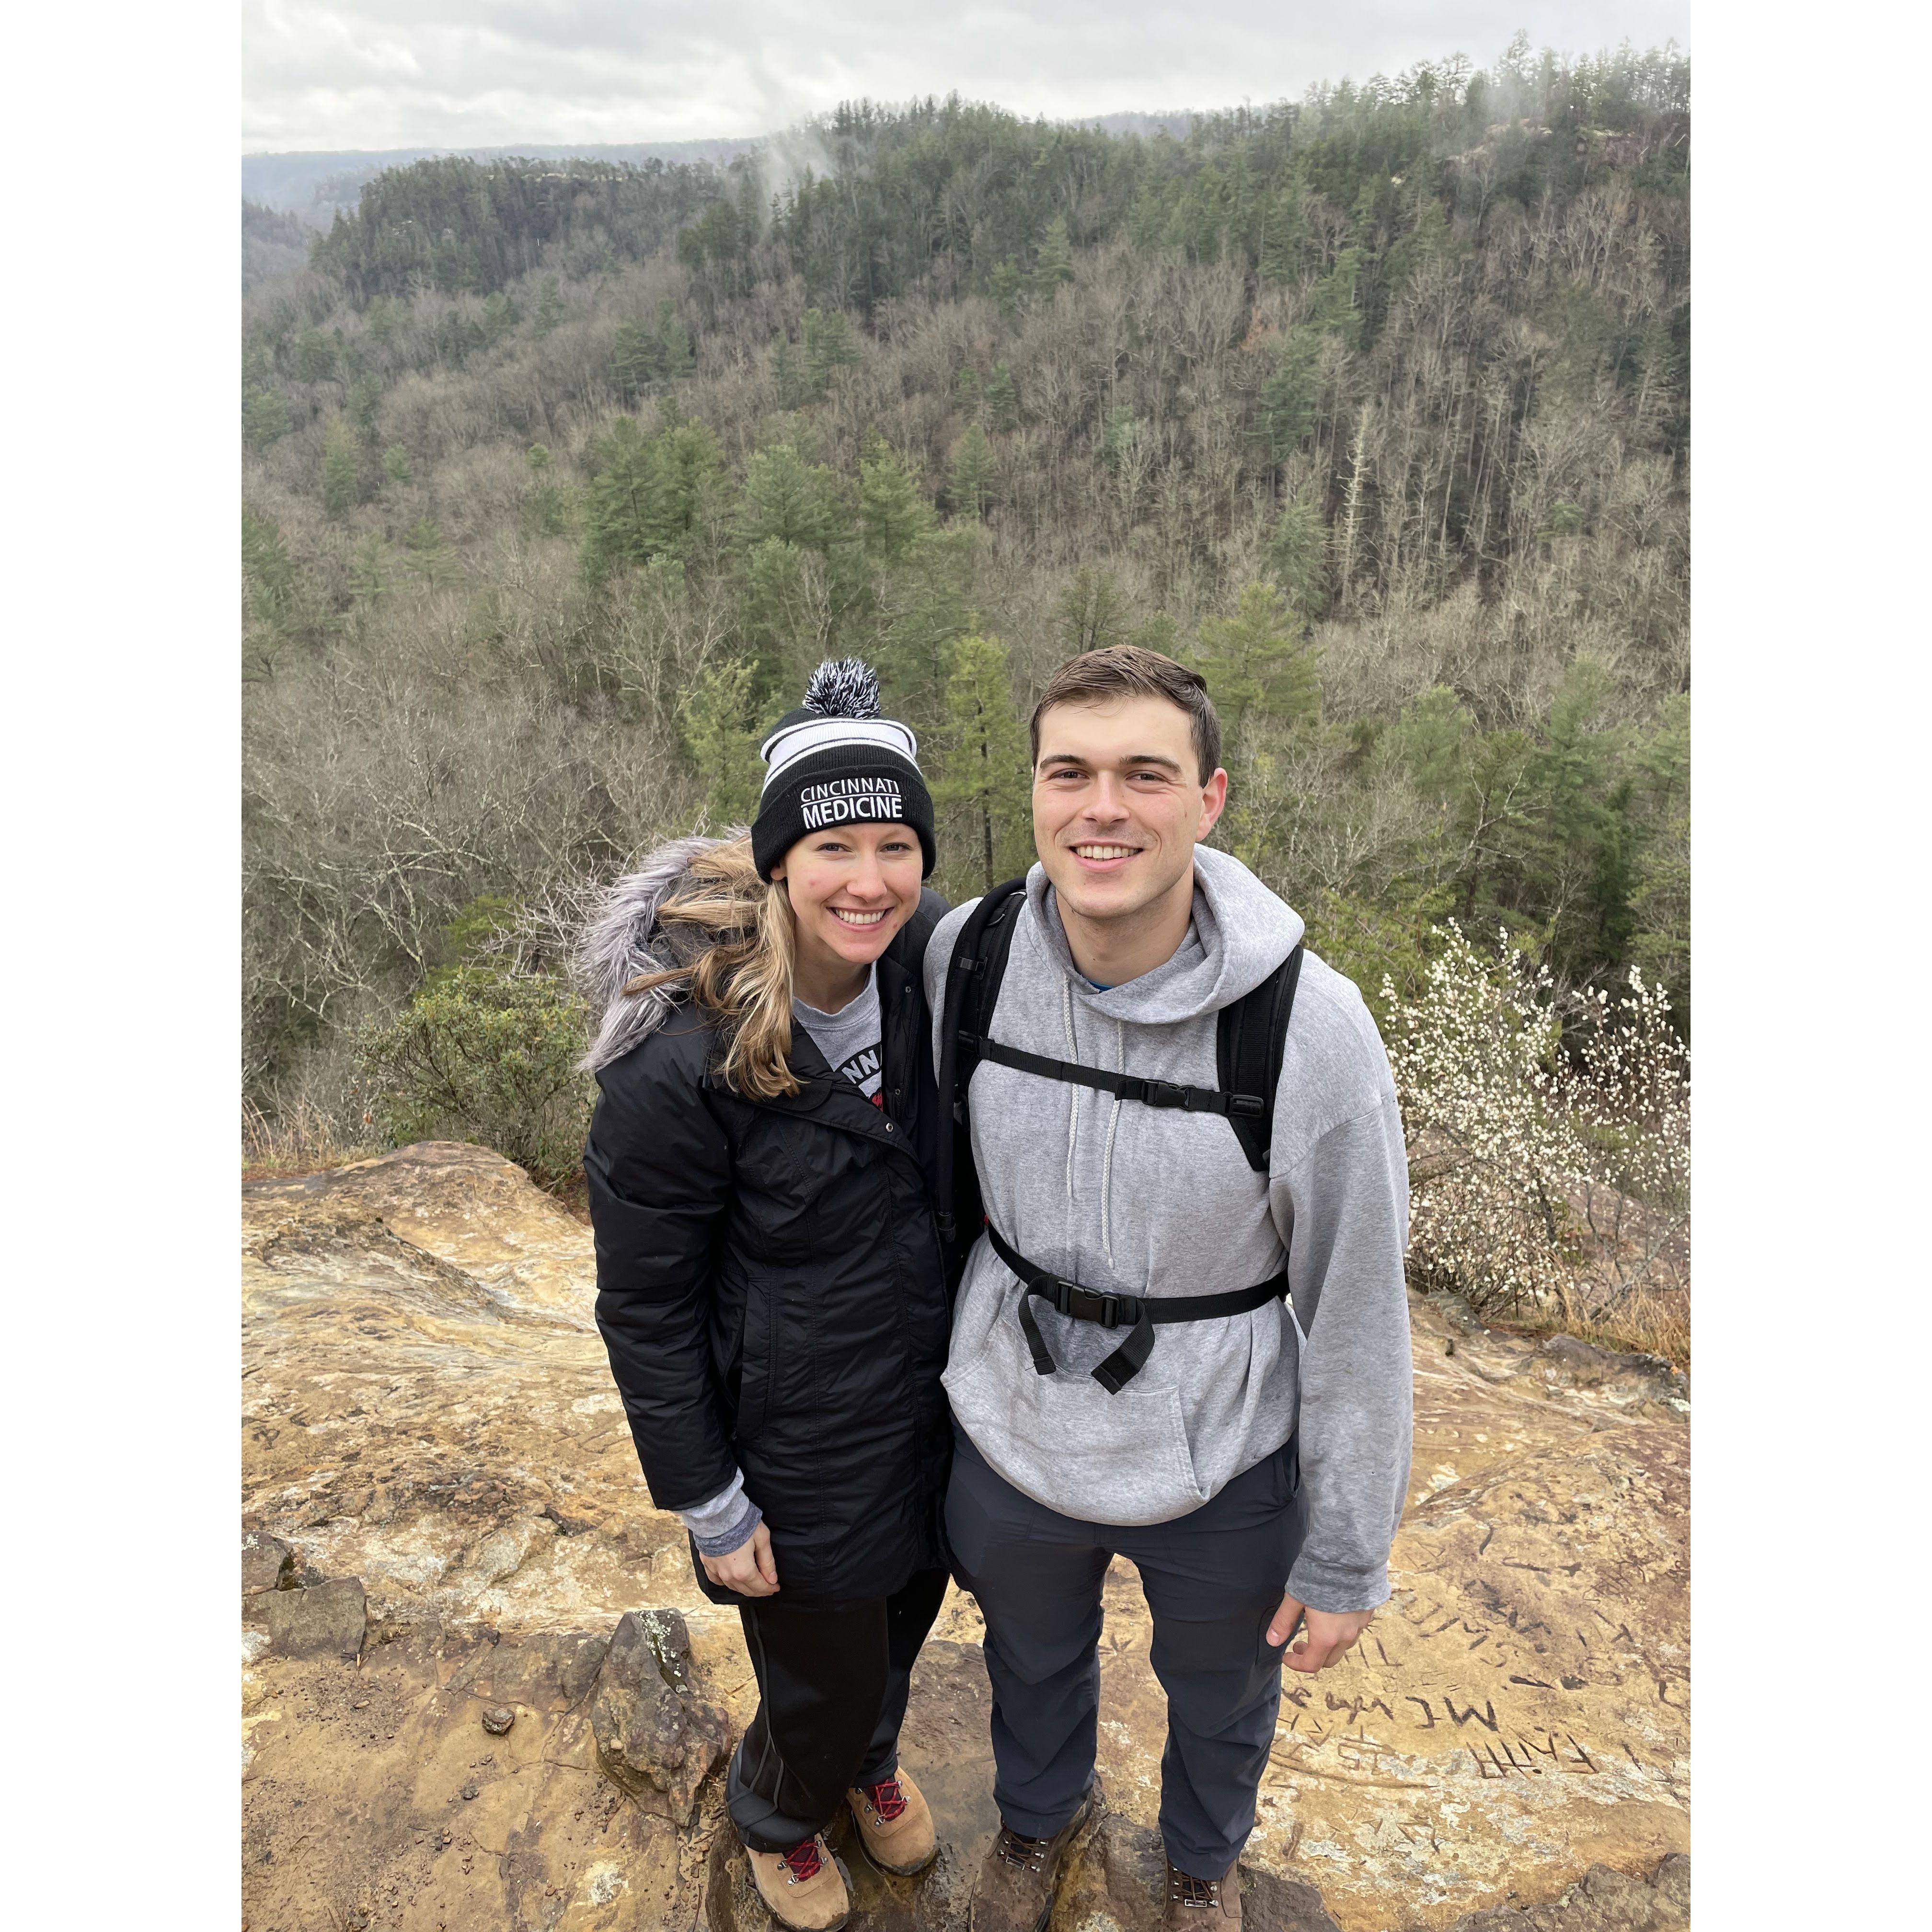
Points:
(748, 1569)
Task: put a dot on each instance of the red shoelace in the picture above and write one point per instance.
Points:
(888, 1800)
(803, 1861)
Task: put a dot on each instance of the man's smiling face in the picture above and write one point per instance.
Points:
(1118, 804)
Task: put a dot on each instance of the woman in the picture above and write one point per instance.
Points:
(769, 1283)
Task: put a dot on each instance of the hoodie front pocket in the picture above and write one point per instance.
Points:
(1066, 1442)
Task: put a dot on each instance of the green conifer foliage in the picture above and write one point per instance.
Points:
(315, 358)
(650, 495)
(830, 346)
(1298, 556)
(1258, 660)
(975, 474)
(1052, 261)
(785, 498)
(714, 720)
(430, 558)
(265, 418)
(341, 467)
(550, 307)
(1003, 284)
(1003, 399)
(1090, 613)
(784, 616)
(986, 785)
(892, 514)
(1292, 392)
(370, 573)
(365, 401)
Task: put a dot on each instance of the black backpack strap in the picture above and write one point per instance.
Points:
(973, 977)
(910, 942)
(1124, 1086)
(1250, 1039)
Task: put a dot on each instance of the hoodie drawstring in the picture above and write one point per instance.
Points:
(1107, 1162)
(1073, 1108)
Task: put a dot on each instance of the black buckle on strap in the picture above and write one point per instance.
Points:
(1163, 1093)
(1086, 1304)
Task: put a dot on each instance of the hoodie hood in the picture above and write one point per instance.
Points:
(1241, 932)
(623, 939)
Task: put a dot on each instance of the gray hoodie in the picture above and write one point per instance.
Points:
(1120, 1196)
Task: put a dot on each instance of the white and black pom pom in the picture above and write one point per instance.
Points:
(844, 688)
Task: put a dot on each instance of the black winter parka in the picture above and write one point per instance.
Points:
(770, 1289)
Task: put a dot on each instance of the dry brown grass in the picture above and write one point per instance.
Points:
(1647, 1321)
(303, 1139)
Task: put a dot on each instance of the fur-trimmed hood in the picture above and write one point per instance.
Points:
(623, 940)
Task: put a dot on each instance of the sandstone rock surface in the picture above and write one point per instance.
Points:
(443, 1517)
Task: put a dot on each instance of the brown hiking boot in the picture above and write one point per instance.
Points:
(1015, 1890)
(896, 1824)
(802, 1888)
(1202, 1904)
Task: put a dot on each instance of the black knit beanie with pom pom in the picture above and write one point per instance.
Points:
(835, 761)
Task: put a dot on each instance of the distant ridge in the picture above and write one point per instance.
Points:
(312, 186)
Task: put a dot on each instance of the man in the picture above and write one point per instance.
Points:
(1253, 1465)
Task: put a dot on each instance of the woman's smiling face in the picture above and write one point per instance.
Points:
(851, 888)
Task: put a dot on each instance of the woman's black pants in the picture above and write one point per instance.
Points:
(832, 1695)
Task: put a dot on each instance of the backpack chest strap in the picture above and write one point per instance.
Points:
(1127, 1086)
(1137, 1313)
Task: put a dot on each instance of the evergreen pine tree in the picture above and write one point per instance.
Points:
(1090, 613)
(1298, 556)
(265, 418)
(715, 721)
(1292, 392)
(986, 781)
(892, 514)
(430, 556)
(365, 399)
(1053, 260)
(675, 357)
(1258, 660)
(975, 473)
(315, 358)
(830, 345)
(1003, 399)
(369, 571)
(341, 467)
(797, 503)
(637, 360)
(1003, 284)
(550, 307)
(1281, 234)
(784, 616)
(788, 376)
(966, 392)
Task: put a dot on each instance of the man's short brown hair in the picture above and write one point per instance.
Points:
(1126, 671)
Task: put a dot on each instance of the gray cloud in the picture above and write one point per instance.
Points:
(387, 74)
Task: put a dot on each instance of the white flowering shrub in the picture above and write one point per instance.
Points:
(1544, 1174)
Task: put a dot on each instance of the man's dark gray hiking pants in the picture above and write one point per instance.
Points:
(1212, 1579)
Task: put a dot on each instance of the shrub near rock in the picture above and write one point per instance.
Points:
(485, 1053)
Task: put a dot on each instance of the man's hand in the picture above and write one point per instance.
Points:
(1331, 1634)
(748, 1569)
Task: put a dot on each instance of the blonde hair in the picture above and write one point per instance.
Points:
(742, 974)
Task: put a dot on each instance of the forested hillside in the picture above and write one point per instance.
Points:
(559, 476)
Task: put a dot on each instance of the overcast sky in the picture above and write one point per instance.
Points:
(397, 73)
